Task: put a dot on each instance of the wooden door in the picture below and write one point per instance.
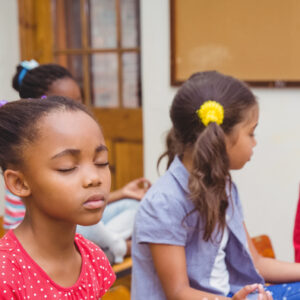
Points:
(98, 41)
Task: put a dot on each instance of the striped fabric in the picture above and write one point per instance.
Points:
(14, 210)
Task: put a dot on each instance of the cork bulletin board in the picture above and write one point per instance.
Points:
(257, 41)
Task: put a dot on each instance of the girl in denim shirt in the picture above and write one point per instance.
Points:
(190, 240)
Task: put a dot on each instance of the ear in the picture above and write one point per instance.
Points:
(16, 183)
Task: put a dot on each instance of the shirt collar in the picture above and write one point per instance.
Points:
(181, 174)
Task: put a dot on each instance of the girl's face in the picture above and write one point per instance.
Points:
(240, 142)
(65, 87)
(66, 169)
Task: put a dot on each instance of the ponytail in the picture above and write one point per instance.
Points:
(208, 178)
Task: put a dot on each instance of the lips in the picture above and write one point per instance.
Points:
(94, 202)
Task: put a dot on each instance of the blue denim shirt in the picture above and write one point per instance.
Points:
(163, 218)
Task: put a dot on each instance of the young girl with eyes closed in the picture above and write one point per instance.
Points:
(190, 240)
(53, 156)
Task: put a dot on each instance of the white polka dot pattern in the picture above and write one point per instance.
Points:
(22, 278)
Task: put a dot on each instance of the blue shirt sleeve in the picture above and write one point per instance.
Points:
(160, 220)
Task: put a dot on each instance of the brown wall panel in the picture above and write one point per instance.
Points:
(254, 40)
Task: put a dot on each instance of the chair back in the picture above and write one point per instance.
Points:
(263, 245)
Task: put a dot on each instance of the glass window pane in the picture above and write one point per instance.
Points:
(131, 80)
(67, 25)
(104, 79)
(103, 24)
(130, 23)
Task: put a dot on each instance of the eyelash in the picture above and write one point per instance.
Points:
(66, 170)
(102, 164)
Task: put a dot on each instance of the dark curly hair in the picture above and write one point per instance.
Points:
(38, 80)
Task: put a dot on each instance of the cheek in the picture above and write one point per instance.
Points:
(51, 187)
(107, 179)
(251, 144)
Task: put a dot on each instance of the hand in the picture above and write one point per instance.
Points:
(248, 289)
(136, 189)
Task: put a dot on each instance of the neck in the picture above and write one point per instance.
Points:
(49, 239)
(50, 243)
(187, 159)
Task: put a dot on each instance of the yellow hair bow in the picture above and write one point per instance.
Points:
(211, 111)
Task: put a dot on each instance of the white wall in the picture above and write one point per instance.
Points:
(269, 183)
(9, 56)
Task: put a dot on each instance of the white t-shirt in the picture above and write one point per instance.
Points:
(219, 278)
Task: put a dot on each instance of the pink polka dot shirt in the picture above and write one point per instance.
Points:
(22, 278)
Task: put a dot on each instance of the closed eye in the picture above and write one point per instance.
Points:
(101, 165)
(66, 170)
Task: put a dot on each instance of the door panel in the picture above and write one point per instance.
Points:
(123, 132)
(35, 30)
(129, 162)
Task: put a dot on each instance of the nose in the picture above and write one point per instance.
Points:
(91, 177)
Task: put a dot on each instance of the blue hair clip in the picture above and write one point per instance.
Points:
(26, 65)
(21, 76)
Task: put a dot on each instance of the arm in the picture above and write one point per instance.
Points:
(170, 264)
(296, 235)
(135, 189)
(272, 270)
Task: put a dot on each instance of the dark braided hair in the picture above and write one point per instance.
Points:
(210, 163)
(38, 80)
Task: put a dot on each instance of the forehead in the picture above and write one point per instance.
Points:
(251, 116)
(66, 87)
(248, 123)
(69, 127)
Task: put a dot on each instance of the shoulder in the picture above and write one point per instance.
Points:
(8, 242)
(167, 200)
(164, 213)
(88, 248)
(10, 252)
(92, 253)
(11, 260)
(165, 191)
(96, 262)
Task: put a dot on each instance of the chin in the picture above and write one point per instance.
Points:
(91, 220)
(237, 167)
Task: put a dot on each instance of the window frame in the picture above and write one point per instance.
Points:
(86, 50)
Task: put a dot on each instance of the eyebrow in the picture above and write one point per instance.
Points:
(76, 152)
(101, 148)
